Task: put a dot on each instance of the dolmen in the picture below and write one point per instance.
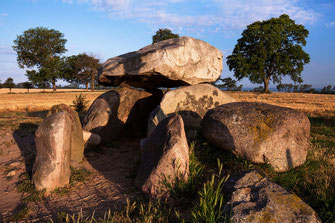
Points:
(141, 106)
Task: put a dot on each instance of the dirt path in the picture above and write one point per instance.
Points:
(109, 185)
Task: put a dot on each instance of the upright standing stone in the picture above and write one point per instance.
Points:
(169, 63)
(165, 156)
(53, 145)
(77, 141)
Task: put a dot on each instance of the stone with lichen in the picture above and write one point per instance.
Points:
(169, 63)
(191, 102)
(259, 132)
(77, 141)
(253, 198)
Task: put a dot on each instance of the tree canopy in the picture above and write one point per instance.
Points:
(41, 48)
(163, 34)
(269, 50)
(81, 69)
(9, 83)
(228, 84)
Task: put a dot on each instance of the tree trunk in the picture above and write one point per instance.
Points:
(28, 90)
(10, 90)
(266, 84)
(92, 81)
(86, 86)
(54, 84)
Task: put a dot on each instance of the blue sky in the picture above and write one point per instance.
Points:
(107, 28)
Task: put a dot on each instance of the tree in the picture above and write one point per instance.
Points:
(28, 85)
(269, 50)
(81, 69)
(0, 84)
(38, 78)
(9, 83)
(327, 89)
(163, 34)
(41, 47)
(228, 84)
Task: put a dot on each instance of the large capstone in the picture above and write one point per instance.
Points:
(259, 132)
(53, 146)
(77, 141)
(169, 63)
(165, 157)
(253, 198)
(121, 112)
(191, 102)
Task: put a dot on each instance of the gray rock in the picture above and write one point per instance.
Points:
(253, 198)
(91, 139)
(169, 63)
(259, 132)
(165, 156)
(53, 146)
(120, 112)
(77, 142)
(191, 102)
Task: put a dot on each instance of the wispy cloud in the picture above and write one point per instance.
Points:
(330, 24)
(217, 14)
(7, 51)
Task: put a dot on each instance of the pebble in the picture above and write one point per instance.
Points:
(12, 173)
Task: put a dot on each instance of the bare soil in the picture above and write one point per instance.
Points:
(110, 184)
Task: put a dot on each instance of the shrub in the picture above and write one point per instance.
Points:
(80, 104)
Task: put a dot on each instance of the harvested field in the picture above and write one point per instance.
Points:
(42, 101)
(33, 90)
(311, 104)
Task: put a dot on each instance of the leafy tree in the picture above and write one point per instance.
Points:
(327, 89)
(81, 69)
(269, 50)
(28, 85)
(228, 84)
(163, 34)
(305, 88)
(9, 83)
(38, 79)
(41, 47)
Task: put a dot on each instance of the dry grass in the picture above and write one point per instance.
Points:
(312, 104)
(42, 101)
(24, 91)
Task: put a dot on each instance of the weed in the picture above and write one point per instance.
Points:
(61, 191)
(20, 215)
(210, 207)
(80, 104)
(78, 175)
(149, 212)
(182, 188)
(26, 186)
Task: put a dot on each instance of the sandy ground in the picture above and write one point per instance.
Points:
(109, 185)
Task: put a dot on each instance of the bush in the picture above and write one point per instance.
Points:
(80, 104)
